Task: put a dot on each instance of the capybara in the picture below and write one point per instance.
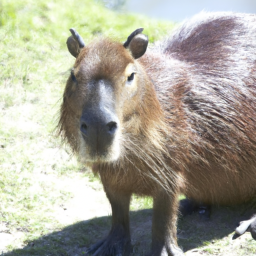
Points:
(178, 117)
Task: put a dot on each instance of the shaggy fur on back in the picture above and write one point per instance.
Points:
(205, 79)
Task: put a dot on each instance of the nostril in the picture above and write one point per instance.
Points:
(83, 128)
(112, 127)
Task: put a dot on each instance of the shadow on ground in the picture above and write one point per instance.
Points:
(192, 233)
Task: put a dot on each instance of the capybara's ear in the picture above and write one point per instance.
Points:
(75, 43)
(137, 43)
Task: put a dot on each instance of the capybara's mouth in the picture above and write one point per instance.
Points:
(92, 153)
(98, 158)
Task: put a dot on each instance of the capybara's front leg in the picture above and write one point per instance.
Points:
(164, 237)
(118, 241)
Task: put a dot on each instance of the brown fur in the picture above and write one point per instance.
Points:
(188, 125)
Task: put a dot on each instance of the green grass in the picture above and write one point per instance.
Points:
(34, 64)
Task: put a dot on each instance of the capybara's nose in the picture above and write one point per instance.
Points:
(112, 127)
(98, 130)
(83, 127)
(86, 127)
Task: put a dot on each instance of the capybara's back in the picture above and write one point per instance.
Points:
(179, 118)
(209, 79)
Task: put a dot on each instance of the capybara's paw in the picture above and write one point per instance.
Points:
(172, 250)
(175, 251)
(111, 246)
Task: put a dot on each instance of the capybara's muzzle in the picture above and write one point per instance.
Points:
(98, 129)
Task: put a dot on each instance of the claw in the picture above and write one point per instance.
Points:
(93, 248)
(109, 247)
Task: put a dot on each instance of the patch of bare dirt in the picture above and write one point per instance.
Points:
(87, 202)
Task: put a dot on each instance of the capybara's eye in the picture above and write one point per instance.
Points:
(131, 77)
(73, 76)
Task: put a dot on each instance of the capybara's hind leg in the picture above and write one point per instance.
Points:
(247, 225)
(189, 206)
(118, 241)
(253, 228)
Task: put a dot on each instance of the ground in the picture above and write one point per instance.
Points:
(87, 213)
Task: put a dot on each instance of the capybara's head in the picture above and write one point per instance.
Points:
(102, 96)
